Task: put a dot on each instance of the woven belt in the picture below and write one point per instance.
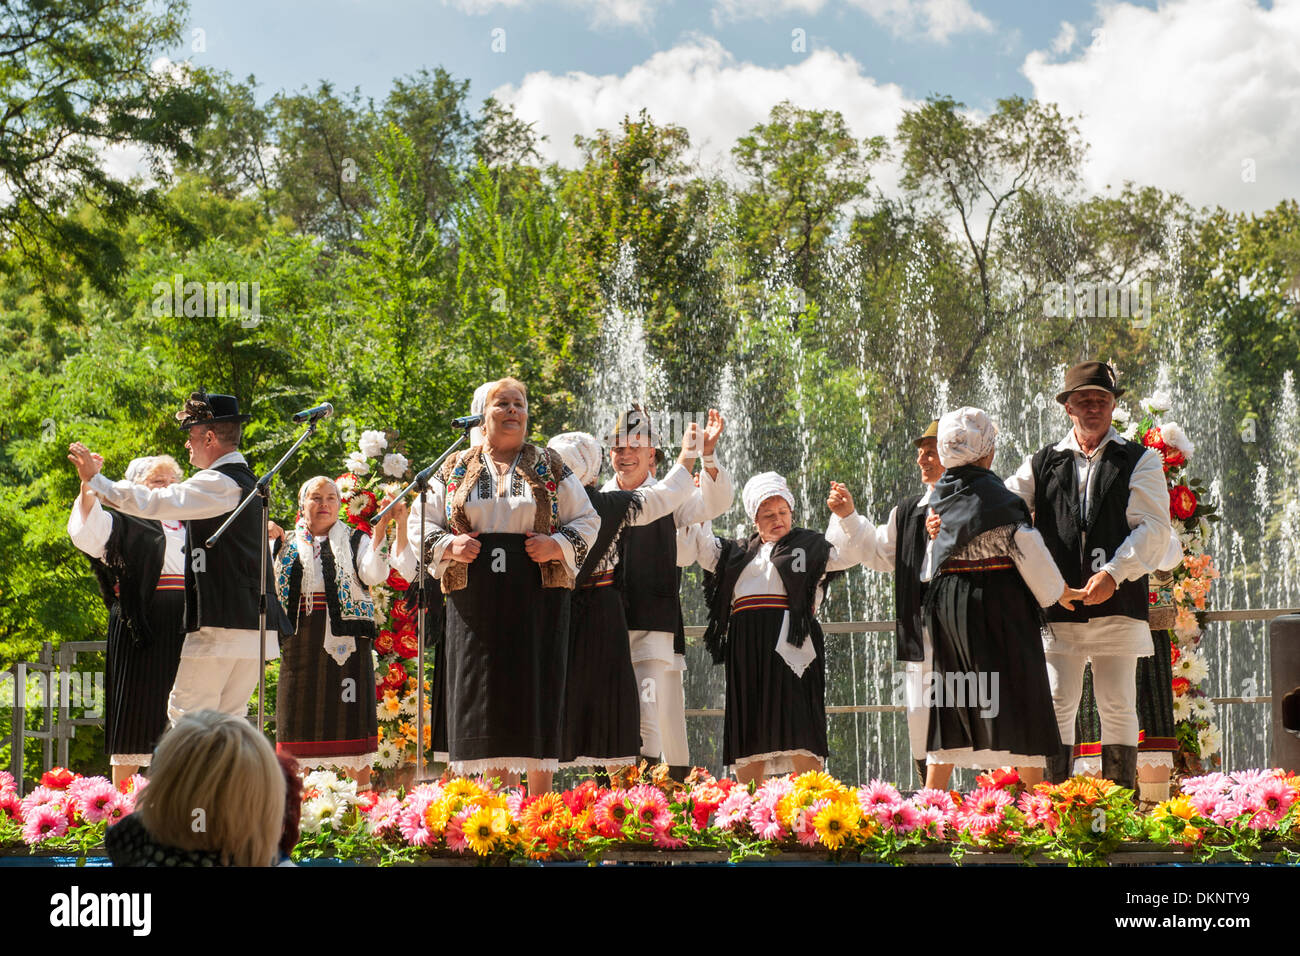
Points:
(171, 582)
(999, 563)
(601, 579)
(308, 603)
(753, 602)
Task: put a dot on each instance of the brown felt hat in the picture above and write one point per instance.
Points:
(1087, 375)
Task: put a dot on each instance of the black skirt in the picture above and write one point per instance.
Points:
(770, 711)
(318, 714)
(1155, 705)
(989, 688)
(602, 716)
(139, 676)
(507, 652)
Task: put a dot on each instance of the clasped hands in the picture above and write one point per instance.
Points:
(540, 547)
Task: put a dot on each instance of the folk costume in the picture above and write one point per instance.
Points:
(1108, 511)
(139, 566)
(219, 660)
(990, 575)
(325, 710)
(602, 717)
(763, 598)
(650, 564)
(507, 625)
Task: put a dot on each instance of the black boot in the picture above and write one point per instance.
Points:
(679, 773)
(1119, 763)
(920, 769)
(1060, 764)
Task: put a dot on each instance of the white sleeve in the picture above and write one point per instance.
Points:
(92, 534)
(872, 545)
(1037, 567)
(696, 543)
(1022, 482)
(1173, 553)
(372, 563)
(1148, 517)
(846, 540)
(579, 522)
(665, 496)
(404, 563)
(206, 494)
(712, 499)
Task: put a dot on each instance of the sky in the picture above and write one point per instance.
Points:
(1199, 97)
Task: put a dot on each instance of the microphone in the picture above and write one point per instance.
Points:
(469, 421)
(323, 410)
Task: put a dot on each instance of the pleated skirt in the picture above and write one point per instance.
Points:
(506, 657)
(324, 709)
(771, 714)
(602, 716)
(988, 690)
(138, 677)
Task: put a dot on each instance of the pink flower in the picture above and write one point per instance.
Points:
(981, 811)
(941, 800)
(383, 816)
(1214, 782)
(118, 807)
(762, 816)
(931, 820)
(1225, 811)
(411, 822)
(95, 799)
(1249, 778)
(6, 781)
(664, 839)
(41, 796)
(902, 818)
(733, 810)
(610, 812)
(805, 822)
(10, 805)
(877, 794)
(46, 821)
(1275, 799)
(1205, 802)
(1037, 808)
(650, 807)
(455, 832)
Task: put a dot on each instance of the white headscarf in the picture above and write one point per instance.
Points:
(478, 406)
(138, 468)
(581, 452)
(761, 487)
(965, 435)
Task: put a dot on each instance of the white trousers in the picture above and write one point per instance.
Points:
(213, 683)
(1114, 684)
(914, 698)
(662, 699)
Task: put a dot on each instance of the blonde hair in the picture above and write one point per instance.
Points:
(501, 383)
(158, 463)
(215, 785)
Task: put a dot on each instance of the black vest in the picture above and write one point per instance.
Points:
(648, 555)
(224, 592)
(909, 589)
(1081, 545)
(338, 624)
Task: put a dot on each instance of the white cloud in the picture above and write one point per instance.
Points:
(1194, 97)
(602, 12)
(1065, 39)
(936, 20)
(700, 86)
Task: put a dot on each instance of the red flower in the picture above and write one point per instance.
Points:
(1152, 439)
(1182, 503)
(385, 642)
(402, 611)
(408, 643)
(379, 692)
(396, 676)
(998, 779)
(1152, 597)
(1174, 458)
(1181, 685)
(366, 800)
(397, 582)
(58, 778)
(1174, 654)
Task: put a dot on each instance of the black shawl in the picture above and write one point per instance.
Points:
(128, 574)
(969, 501)
(616, 509)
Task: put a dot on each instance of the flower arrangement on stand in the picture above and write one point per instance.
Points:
(1186, 591)
(376, 469)
(66, 811)
(1231, 814)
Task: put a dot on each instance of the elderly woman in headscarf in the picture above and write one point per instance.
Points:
(602, 719)
(763, 594)
(508, 527)
(140, 567)
(990, 576)
(325, 708)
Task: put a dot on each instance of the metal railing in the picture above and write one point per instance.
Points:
(58, 725)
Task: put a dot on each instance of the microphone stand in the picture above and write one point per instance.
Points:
(263, 490)
(421, 483)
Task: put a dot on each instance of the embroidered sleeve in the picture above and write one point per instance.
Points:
(579, 545)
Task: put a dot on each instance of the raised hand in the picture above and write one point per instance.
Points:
(839, 500)
(713, 430)
(691, 440)
(87, 463)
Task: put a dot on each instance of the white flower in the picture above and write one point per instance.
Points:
(382, 712)
(347, 485)
(322, 811)
(1157, 401)
(1182, 708)
(388, 755)
(1209, 740)
(1192, 666)
(395, 465)
(372, 443)
(357, 464)
(1175, 437)
(1203, 525)
(391, 488)
(1130, 431)
(320, 779)
(346, 791)
(1120, 415)
(1202, 707)
(408, 704)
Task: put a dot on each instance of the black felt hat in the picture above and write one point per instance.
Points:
(634, 421)
(202, 408)
(1086, 375)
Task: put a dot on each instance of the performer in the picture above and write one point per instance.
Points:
(1102, 507)
(219, 660)
(508, 526)
(763, 595)
(325, 709)
(989, 574)
(897, 547)
(139, 567)
(651, 580)
(602, 724)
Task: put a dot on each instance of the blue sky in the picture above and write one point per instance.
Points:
(1201, 97)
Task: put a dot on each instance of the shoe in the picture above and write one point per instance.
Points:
(920, 769)
(679, 773)
(1120, 763)
(1059, 764)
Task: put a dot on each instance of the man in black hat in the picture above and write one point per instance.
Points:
(898, 547)
(1102, 506)
(651, 579)
(219, 661)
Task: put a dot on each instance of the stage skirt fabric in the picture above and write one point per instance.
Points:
(318, 721)
(138, 677)
(988, 693)
(1155, 706)
(506, 656)
(602, 716)
(771, 714)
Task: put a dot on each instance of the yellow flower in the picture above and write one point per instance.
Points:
(436, 815)
(835, 824)
(484, 828)
(818, 783)
(392, 706)
(1180, 806)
